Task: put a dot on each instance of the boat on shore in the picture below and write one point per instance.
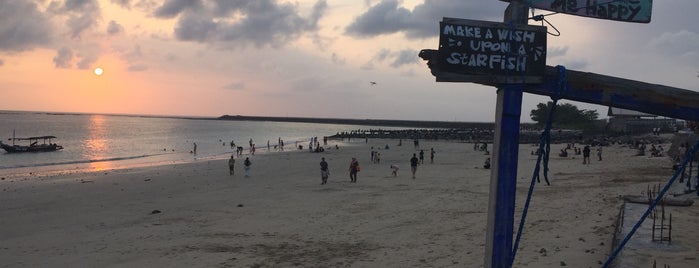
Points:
(34, 145)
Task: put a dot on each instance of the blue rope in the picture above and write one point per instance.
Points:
(543, 153)
(650, 208)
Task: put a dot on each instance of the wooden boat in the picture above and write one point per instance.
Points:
(34, 145)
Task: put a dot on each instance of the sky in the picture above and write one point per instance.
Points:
(302, 58)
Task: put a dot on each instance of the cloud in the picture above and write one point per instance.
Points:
(576, 64)
(78, 5)
(237, 23)
(387, 17)
(337, 59)
(137, 68)
(63, 58)
(123, 3)
(2, 62)
(235, 86)
(22, 26)
(395, 59)
(676, 43)
(383, 18)
(553, 52)
(82, 14)
(114, 28)
(405, 57)
(172, 8)
(86, 61)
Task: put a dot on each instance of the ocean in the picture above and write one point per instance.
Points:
(95, 142)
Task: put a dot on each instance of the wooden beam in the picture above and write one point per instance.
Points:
(596, 89)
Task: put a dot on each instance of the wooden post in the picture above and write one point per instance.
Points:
(503, 177)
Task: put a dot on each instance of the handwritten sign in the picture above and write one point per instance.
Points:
(491, 48)
(619, 10)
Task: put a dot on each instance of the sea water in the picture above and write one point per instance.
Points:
(102, 142)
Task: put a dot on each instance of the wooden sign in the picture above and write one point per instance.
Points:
(619, 10)
(508, 53)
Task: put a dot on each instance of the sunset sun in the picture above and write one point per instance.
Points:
(98, 71)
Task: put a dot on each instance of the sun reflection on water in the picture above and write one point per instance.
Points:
(95, 144)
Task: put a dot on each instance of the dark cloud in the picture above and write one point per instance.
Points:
(227, 7)
(114, 28)
(196, 28)
(78, 5)
(82, 14)
(63, 58)
(260, 23)
(172, 8)
(388, 17)
(22, 26)
(383, 18)
(80, 23)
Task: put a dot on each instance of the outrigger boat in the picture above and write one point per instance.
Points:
(33, 146)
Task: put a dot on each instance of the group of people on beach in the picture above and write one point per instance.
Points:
(246, 165)
(354, 166)
(585, 151)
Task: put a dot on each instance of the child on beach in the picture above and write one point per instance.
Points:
(394, 170)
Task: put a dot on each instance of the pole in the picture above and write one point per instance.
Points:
(503, 177)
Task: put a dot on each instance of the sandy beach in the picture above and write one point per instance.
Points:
(197, 215)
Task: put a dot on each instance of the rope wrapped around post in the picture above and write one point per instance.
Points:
(543, 153)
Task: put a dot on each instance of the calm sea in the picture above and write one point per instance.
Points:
(101, 142)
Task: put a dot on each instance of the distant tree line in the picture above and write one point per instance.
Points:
(565, 116)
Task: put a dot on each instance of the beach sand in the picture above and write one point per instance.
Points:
(282, 216)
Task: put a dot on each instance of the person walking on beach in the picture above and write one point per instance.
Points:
(586, 155)
(599, 153)
(422, 157)
(247, 164)
(353, 169)
(413, 165)
(231, 164)
(324, 172)
(431, 155)
(195, 148)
